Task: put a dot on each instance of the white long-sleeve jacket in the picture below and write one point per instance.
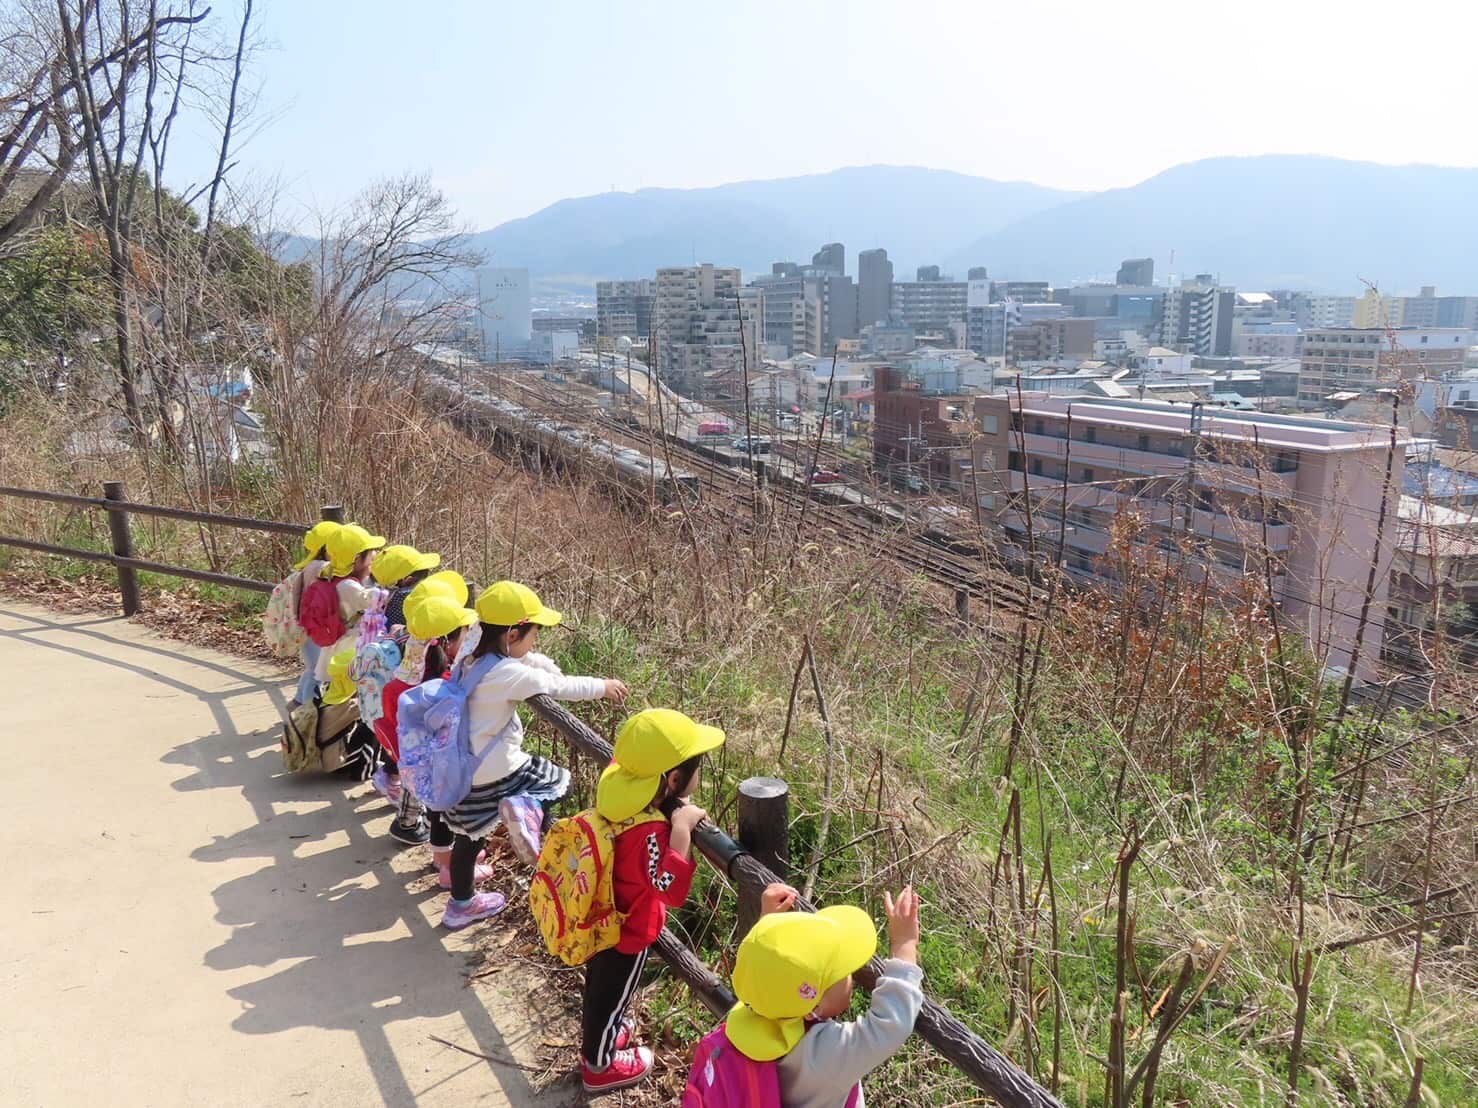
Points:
(494, 703)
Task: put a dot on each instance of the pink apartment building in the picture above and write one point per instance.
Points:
(1307, 490)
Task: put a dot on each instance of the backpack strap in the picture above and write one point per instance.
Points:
(468, 674)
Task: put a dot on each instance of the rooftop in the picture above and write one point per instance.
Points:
(1305, 433)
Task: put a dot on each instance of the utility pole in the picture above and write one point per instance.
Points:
(1197, 410)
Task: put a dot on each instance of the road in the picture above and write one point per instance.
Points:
(185, 925)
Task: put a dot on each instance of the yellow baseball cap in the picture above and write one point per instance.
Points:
(340, 688)
(448, 582)
(348, 543)
(649, 744)
(784, 965)
(395, 562)
(435, 614)
(316, 538)
(508, 604)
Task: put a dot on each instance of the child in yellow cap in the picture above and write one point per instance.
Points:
(399, 569)
(510, 784)
(656, 766)
(793, 977)
(305, 570)
(351, 552)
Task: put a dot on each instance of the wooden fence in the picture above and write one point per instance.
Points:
(995, 1074)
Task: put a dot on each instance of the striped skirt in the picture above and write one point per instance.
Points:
(539, 779)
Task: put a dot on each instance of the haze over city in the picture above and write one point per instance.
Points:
(512, 107)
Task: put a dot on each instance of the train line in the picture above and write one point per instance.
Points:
(930, 556)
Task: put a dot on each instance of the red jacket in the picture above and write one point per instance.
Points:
(385, 726)
(649, 878)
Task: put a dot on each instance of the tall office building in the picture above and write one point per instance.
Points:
(624, 308)
(874, 286)
(832, 257)
(503, 311)
(1136, 271)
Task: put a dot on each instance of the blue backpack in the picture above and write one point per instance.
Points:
(435, 750)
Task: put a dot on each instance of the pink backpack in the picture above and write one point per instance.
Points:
(722, 1077)
(318, 612)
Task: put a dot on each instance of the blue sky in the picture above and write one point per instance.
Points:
(512, 106)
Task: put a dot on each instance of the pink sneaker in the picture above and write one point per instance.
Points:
(628, 1067)
(479, 875)
(459, 914)
(523, 818)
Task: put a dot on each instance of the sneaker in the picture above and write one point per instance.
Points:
(459, 913)
(628, 1067)
(386, 786)
(412, 834)
(523, 818)
(479, 875)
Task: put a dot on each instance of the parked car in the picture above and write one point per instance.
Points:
(713, 428)
(755, 445)
(825, 477)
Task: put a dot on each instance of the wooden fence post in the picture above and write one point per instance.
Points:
(334, 512)
(764, 831)
(128, 580)
(962, 605)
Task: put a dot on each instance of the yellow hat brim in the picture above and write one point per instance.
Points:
(759, 1038)
(856, 939)
(546, 617)
(621, 794)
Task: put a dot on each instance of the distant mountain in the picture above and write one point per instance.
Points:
(1263, 222)
(917, 214)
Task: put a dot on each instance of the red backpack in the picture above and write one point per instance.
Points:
(723, 1077)
(319, 611)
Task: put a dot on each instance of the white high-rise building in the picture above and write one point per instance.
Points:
(503, 311)
(697, 319)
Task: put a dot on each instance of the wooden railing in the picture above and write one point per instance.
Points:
(993, 1072)
(118, 508)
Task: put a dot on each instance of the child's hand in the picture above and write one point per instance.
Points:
(688, 817)
(616, 690)
(778, 897)
(903, 925)
(684, 820)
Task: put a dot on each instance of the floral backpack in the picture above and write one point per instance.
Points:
(435, 749)
(723, 1077)
(572, 896)
(280, 626)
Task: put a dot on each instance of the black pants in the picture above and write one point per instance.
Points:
(465, 852)
(441, 834)
(611, 981)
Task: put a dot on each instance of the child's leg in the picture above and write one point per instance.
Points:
(308, 683)
(464, 866)
(611, 979)
(441, 839)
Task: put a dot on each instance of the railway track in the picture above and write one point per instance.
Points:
(916, 551)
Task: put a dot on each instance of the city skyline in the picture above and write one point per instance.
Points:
(532, 106)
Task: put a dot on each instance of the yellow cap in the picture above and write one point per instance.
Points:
(648, 745)
(340, 688)
(448, 582)
(784, 965)
(508, 604)
(316, 538)
(435, 614)
(395, 562)
(348, 543)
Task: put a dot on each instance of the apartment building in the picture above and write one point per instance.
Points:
(918, 438)
(624, 308)
(1315, 310)
(1136, 271)
(1357, 359)
(1051, 340)
(697, 318)
(931, 303)
(988, 327)
(1197, 317)
(1223, 485)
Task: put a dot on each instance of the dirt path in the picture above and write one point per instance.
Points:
(183, 924)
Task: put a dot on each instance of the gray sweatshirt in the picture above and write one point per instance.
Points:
(821, 1069)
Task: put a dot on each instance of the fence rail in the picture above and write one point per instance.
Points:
(119, 508)
(992, 1071)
